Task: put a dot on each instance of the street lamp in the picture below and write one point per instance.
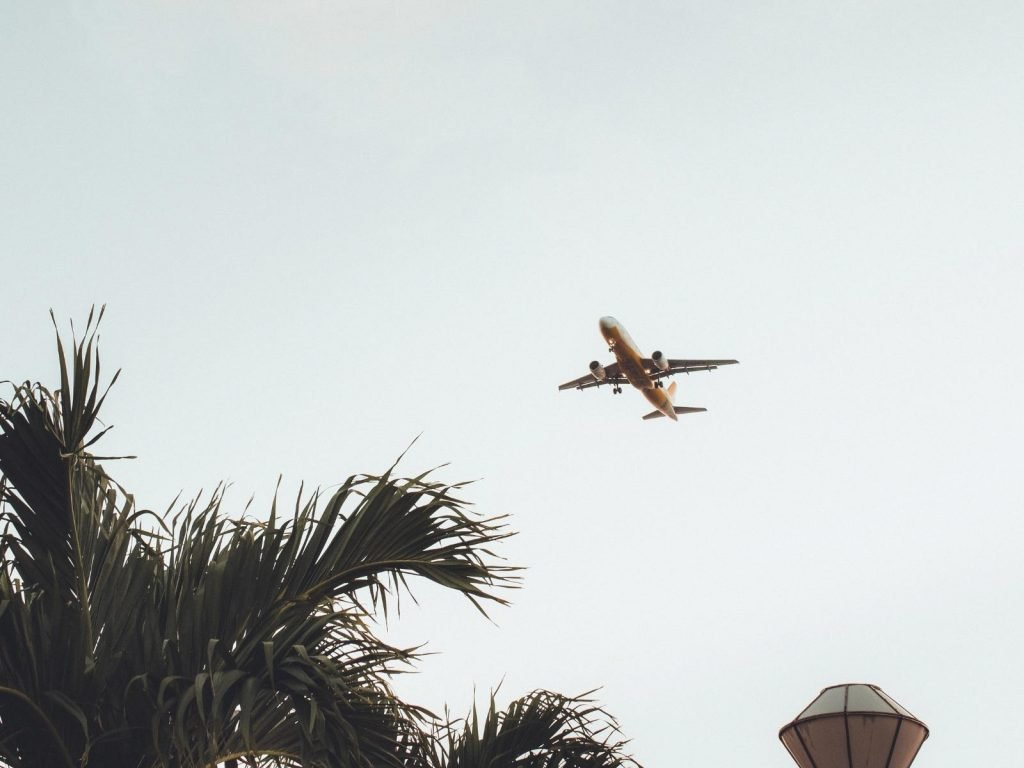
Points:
(854, 726)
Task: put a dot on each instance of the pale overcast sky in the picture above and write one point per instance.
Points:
(322, 228)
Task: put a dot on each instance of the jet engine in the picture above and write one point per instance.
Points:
(597, 371)
(660, 361)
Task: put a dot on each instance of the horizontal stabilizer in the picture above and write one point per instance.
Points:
(680, 409)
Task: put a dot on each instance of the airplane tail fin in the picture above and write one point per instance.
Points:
(680, 409)
(671, 390)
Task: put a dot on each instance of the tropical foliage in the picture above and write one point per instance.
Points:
(200, 639)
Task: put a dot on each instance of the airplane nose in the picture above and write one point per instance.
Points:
(608, 322)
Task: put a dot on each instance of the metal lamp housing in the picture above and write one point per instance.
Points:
(854, 726)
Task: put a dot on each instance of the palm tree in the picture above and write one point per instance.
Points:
(127, 639)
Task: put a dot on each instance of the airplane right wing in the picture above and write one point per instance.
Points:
(683, 366)
(612, 375)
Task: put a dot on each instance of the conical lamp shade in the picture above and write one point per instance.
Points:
(854, 726)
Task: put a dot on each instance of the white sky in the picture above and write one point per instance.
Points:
(323, 228)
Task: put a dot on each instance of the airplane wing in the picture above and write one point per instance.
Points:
(612, 375)
(683, 366)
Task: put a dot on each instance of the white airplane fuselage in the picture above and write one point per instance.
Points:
(631, 364)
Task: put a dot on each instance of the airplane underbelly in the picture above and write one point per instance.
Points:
(635, 374)
(659, 400)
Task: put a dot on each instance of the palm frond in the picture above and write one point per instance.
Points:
(539, 730)
(265, 617)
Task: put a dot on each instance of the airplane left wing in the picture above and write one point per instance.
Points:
(683, 366)
(612, 375)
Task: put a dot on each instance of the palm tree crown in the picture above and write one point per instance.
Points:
(127, 639)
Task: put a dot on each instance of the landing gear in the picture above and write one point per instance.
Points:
(659, 384)
(616, 390)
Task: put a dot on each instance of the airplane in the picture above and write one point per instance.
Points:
(644, 373)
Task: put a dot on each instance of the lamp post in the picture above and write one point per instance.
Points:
(854, 726)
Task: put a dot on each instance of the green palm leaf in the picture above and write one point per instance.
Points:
(540, 730)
